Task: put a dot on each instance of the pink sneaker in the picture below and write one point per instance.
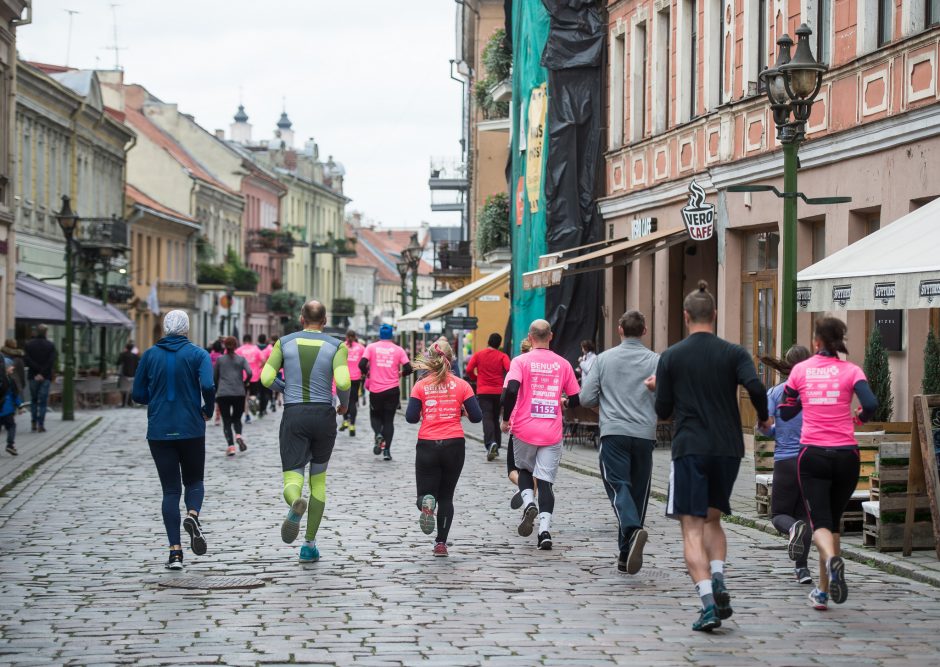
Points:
(440, 549)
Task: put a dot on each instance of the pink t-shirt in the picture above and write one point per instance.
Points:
(385, 359)
(441, 407)
(542, 376)
(354, 353)
(254, 358)
(265, 353)
(826, 386)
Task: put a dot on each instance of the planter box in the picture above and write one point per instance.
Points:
(887, 533)
(500, 256)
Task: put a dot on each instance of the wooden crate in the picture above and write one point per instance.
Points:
(764, 484)
(763, 455)
(888, 534)
(871, 446)
(852, 518)
(892, 495)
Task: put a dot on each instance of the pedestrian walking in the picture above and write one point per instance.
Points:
(9, 404)
(216, 350)
(354, 352)
(696, 384)
(253, 355)
(532, 411)
(384, 363)
(823, 387)
(616, 382)
(174, 381)
(265, 395)
(39, 357)
(488, 368)
(312, 362)
(587, 358)
(12, 351)
(787, 510)
(438, 401)
(231, 374)
(127, 367)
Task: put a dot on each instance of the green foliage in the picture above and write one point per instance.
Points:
(211, 274)
(931, 381)
(497, 60)
(285, 301)
(231, 272)
(879, 376)
(344, 307)
(205, 253)
(493, 224)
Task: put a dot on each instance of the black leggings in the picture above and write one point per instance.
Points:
(353, 409)
(382, 407)
(828, 477)
(489, 404)
(178, 460)
(232, 408)
(546, 493)
(437, 468)
(510, 458)
(786, 502)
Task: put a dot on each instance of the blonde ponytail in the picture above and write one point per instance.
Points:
(436, 360)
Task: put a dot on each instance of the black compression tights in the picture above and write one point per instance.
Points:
(546, 494)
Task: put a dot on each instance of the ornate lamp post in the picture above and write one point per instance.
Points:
(412, 255)
(68, 221)
(792, 86)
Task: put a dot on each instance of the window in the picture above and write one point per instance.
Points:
(761, 251)
(638, 83)
(885, 21)
(616, 98)
(693, 53)
(761, 42)
(718, 53)
(823, 29)
(819, 241)
(663, 29)
(932, 12)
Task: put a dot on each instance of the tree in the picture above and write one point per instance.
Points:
(879, 375)
(931, 381)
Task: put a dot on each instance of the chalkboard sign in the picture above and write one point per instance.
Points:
(889, 324)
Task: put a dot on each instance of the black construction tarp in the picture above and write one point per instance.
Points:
(574, 57)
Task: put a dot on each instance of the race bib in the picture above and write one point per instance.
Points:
(542, 408)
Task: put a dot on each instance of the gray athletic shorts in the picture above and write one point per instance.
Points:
(308, 433)
(541, 461)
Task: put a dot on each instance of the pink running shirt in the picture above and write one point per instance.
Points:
(543, 376)
(826, 386)
(254, 358)
(385, 359)
(354, 353)
(441, 407)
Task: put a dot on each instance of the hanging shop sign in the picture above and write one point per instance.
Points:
(841, 294)
(930, 290)
(535, 146)
(803, 296)
(698, 215)
(885, 292)
(642, 227)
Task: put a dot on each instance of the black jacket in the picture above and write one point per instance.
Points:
(40, 357)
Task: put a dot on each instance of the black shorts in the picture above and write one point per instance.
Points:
(307, 435)
(698, 482)
(828, 477)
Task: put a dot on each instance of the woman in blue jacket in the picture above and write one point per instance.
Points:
(174, 380)
(9, 405)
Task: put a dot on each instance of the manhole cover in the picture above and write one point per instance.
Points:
(212, 583)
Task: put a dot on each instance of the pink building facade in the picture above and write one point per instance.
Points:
(264, 249)
(684, 104)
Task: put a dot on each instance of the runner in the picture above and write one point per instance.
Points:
(437, 401)
(828, 463)
(252, 354)
(312, 362)
(488, 369)
(381, 362)
(533, 411)
(231, 374)
(615, 381)
(355, 350)
(697, 382)
(786, 501)
(265, 395)
(511, 470)
(174, 381)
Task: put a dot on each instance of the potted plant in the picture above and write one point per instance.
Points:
(497, 60)
(493, 229)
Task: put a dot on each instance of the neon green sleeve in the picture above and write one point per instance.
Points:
(273, 365)
(341, 369)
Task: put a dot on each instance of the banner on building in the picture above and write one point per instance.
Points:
(535, 146)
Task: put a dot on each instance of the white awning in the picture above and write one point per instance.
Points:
(897, 267)
(493, 284)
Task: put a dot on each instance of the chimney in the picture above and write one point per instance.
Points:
(220, 134)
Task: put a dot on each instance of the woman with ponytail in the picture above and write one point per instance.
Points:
(822, 387)
(438, 401)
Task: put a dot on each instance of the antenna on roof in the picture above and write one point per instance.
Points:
(68, 43)
(117, 49)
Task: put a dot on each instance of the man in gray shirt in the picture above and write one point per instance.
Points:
(617, 382)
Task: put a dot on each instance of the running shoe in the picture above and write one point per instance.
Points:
(722, 598)
(241, 443)
(379, 445)
(708, 620)
(197, 541)
(291, 526)
(545, 541)
(622, 561)
(176, 561)
(492, 452)
(516, 501)
(387, 456)
(803, 576)
(819, 600)
(528, 518)
(428, 521)
(352, 430)
(838, 589)
(344, 425)
(247, 418)
(440, 549)
(309, 553)
(231, 450)
(635, 554)
(795, 546)
(11, 449)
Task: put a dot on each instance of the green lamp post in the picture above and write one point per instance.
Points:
(68, 221)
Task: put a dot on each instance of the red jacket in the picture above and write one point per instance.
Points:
(488, 367)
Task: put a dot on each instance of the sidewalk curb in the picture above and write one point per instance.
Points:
(26, 474)
(871, 558)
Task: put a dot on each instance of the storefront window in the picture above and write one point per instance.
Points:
(759, 307)
(761, 251)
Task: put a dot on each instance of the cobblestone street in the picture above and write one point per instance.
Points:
(83, 551)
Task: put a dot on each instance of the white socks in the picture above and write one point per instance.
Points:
(528, 496)
(545, 521)
(704, 590)
(718, 567)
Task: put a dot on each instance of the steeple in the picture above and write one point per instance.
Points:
(284, 135)
(284, 122)
(240, 130)
(240, 115)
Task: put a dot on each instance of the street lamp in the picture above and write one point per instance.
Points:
(68, 221)
(792, 86)
(402, 266)
(412, 255)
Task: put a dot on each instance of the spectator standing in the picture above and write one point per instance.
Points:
(39, 357)
(127, 365)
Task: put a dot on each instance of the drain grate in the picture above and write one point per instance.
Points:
(216, 583)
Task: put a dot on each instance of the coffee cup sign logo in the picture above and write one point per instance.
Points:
(698, 215)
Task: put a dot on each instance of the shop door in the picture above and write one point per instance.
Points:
(759, 324)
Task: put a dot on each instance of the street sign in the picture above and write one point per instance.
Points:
(427, 327)
(460, 323)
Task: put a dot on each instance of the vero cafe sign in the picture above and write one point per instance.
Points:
(698, 215)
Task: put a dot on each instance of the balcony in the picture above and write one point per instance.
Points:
(342, 247)
(105, 236)
(273, 242)
(177, 295)
(452, 259)
(258, 305)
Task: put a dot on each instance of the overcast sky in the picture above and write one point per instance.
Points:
(368, 79)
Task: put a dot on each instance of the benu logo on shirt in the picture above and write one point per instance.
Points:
(539, 367)
(823, 373)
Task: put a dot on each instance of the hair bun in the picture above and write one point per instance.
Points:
(702, 286)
